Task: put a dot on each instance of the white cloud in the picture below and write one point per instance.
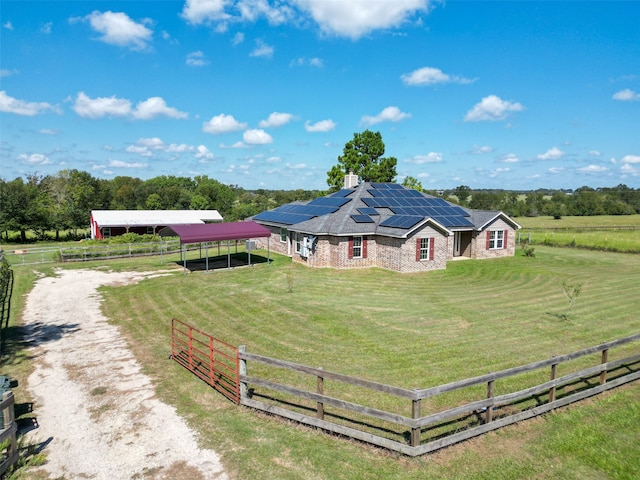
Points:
(510, 158)
(238, 38)
(302, 62)
(626, 95)
(631, 159)
(252, 10)
(197, 59)
(556, 170)
(389, 114)
(492, 108)
(594, 153)
(4, 72)
(121, 164)
(20, 107)
(357, 18)
(222, 123)
(481, 149)
(112, 106)
(262, 50)
(46, 28)
(155, 107)
(204, 11)
(101, 106)
(593, 169)
(146, 146)
(34, 159)
(431, 76)
(498, 171)
(8, 25)
(256, 137)
(321, 126)
(49, 131)
(119, 29)
(276, 119)
(554, 153)
(431, 157)
(203, 153)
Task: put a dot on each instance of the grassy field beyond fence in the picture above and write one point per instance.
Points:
(613, 233)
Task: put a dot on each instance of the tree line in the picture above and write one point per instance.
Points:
(63, 202)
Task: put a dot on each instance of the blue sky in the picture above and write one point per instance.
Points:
(515, 95)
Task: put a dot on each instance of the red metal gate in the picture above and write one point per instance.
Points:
(212, 360)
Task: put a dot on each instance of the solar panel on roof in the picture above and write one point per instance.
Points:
(336, 202)
(368, 211)
(282, 217)
(343, 193)
(362, 218)
(401, 221)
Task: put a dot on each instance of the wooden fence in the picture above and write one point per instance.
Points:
(9, 454)
(419, 421)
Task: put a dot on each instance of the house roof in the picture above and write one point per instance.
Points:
(129, 218)
(212, 232)
(387, 209)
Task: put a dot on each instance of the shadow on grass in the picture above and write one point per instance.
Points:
(222, 262)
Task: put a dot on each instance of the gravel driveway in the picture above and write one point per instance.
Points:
(97, 413)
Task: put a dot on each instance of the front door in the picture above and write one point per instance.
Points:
(456, 244)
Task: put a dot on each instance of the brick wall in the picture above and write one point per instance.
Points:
(398, 254)
(479, 241)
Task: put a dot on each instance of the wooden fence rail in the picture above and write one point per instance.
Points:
(9, 455)
(418, 425)
(422, 433)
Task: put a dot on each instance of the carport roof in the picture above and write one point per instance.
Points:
(213, 232)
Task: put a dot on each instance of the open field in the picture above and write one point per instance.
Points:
(611, 233)
(403, 330)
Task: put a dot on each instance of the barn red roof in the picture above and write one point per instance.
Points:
(213, 232)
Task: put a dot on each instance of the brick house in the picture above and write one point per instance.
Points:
(386, 225)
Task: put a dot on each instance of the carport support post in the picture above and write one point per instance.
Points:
(206, 251)
(184, 258)
(229, 254)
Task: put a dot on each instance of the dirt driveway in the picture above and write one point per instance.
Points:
(97, 413)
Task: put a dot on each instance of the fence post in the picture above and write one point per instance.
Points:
(320, 391)
(552, 390)
(489, 411)
(242, 370)
(9, 418)
(603, 373)
(415, 414)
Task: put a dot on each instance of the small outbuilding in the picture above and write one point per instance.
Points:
(208, 233)
(111, 223)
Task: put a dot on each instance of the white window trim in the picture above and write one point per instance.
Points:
(424, 251)
(358, 247)
(496, 240)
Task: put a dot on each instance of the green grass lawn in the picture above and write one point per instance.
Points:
(411, 331)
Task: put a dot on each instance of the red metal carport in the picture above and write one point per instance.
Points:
(217, 232)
